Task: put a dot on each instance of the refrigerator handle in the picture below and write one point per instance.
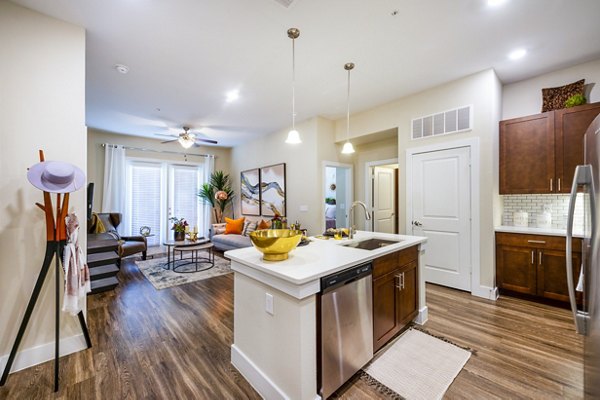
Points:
(582, 177)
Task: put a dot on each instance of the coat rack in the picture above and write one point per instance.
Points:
(56, 237)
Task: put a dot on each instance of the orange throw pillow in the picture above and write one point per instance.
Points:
(264, 224)
(234, 226)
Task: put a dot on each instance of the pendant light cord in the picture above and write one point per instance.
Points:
(348, 110)
(293, 84)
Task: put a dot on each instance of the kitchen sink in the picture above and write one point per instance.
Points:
(371, 244)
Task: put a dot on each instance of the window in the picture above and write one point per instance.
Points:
(157, 191)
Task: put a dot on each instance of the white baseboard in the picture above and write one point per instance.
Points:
(486, 292)
(36, 355)
(423, 316)
(257, 379)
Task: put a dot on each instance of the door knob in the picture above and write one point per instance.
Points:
(417, 223)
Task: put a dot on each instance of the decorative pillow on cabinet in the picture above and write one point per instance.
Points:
(555, 98)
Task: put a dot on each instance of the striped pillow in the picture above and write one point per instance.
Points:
(249, 227)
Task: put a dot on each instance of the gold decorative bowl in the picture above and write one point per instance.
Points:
(275, 244)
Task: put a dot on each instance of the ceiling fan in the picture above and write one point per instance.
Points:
(186, 138)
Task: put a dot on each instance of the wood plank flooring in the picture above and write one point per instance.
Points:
(174, 344)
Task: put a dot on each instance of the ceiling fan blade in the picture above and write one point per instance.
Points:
(169, 141)
(206, 140)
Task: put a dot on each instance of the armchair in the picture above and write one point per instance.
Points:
(128, 245)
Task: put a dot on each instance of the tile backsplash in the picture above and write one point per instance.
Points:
(557, 204)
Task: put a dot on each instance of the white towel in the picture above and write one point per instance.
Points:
(77, 275)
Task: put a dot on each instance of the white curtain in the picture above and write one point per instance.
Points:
(209, 167)
(114, 189)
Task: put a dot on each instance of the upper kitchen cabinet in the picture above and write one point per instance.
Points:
(570, 125)
(539, 153)
(527, 154)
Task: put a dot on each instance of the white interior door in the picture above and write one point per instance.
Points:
(384, 200)
(441, 193)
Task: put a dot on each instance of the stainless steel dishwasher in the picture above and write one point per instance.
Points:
(346, 326)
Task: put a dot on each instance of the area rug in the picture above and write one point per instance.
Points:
(416, 366)
(162, 278)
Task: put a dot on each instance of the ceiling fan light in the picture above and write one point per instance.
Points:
(185, 142)
(348, 148)
(293, 137)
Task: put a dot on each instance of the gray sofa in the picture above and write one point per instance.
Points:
(227, 242)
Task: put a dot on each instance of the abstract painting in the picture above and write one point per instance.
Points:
(250, 182)
(272, 190)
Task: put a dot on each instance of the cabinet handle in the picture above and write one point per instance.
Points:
(540, 258)
(537, 241)
(399, 284)
(402, 284)
(550, 184)
(532, 257)
(559, 184)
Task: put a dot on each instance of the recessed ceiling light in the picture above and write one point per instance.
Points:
(123, 69)
(232, 95)
(516, 54)
(495, 3)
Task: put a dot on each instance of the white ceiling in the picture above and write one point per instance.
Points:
(184, 55)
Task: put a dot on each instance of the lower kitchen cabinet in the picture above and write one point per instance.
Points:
(535, 265)
(395, 294)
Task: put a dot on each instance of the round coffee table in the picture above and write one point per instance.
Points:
(185, 245)
(195, 259)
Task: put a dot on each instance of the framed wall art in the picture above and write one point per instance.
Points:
(250, 191)
(272, 190)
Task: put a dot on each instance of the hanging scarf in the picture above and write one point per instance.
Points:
(77, 275)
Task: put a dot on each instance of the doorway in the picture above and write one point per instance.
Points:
(382, 195)
(337, 194)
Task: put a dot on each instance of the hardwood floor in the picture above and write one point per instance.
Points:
(174, 344)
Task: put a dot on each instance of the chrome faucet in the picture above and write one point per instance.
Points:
(352, 229)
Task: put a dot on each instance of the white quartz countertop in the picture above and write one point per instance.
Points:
(536, 231)
(321, 257)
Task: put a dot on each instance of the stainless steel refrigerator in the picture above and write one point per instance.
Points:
(587, 313)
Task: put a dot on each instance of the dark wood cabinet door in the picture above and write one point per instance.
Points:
(570, 125)
(408, 294)
(552, 274)
(385, 309)
(527, 155)
(516, 269)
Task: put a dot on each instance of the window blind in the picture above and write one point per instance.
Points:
(185, 184)
(146, 199)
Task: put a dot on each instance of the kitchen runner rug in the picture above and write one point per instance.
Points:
(416, 366)
(162, 278)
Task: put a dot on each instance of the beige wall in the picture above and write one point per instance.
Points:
(304, 171)
(483, 91)
(42, 106)
(95, 153)
(525, 97)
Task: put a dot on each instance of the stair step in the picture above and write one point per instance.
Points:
(97, 259)
(102, 285)
(100, 246)
(103, 271)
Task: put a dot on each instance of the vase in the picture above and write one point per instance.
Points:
(218, 215)
(179, 236)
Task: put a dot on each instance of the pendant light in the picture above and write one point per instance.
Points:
(293, 135)
(348, 148)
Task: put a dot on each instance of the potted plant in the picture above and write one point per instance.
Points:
(179, 227)
(218, 193)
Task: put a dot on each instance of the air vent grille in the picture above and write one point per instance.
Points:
(451, 121)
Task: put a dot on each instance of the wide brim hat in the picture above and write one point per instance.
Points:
(56, 177)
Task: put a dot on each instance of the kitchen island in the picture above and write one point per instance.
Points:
(275, 309)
